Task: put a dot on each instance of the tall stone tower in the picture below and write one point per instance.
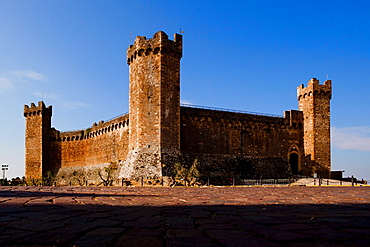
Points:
(314, 101)
(38, 125)
(154, 127)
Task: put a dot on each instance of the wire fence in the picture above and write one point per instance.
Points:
(257, 182)
(296, 180)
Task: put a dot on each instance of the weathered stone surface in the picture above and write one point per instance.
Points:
(314, 102)
(158, 134)
(38, 127)
(154, 102)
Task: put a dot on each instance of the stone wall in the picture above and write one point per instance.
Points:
(101, 174)
(221, 132)
(103, 143)
(241, 145)
(221, 168)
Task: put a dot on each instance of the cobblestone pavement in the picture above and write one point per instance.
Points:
(163, 216)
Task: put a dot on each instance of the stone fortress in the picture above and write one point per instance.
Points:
(158, 133)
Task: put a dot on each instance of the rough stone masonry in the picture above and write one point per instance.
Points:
(158, 133)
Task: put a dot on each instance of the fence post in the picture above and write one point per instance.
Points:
(233, 182)
(327, 181)
(142, 181)
(353, 184)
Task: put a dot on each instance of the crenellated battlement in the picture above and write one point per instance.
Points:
(159, 44)
(314, 88)
(34, 110)
(94, 131)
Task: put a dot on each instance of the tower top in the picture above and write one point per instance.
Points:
(37, 110)
(314, 88)
(159, 44)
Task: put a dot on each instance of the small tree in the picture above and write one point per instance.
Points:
(48, 179)
(193, 173)
(108, 181)
(80, 177)
(188, 174)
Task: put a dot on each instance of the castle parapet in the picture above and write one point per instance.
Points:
(159, 44)
(93, 131)
(295, 118)
(34, 110)
(314, 88)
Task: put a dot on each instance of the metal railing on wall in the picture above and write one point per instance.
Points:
(110, 119)
(230, 110)
(257, 182)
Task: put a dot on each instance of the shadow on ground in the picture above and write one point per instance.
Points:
(93, 219)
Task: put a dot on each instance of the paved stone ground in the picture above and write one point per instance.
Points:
(163, 216)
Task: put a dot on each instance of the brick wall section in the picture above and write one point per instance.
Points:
(217, 132)
(37, 153)
(314, 101)
(102, 143)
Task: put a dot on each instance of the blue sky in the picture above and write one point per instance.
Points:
(247, 55)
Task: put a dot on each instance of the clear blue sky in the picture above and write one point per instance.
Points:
(248, 55)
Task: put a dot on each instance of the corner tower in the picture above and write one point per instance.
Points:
(154, 103)
(314, 102)
(38, 125)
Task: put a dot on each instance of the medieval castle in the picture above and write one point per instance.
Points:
(159, 133)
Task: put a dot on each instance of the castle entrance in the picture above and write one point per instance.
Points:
(293, 160)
